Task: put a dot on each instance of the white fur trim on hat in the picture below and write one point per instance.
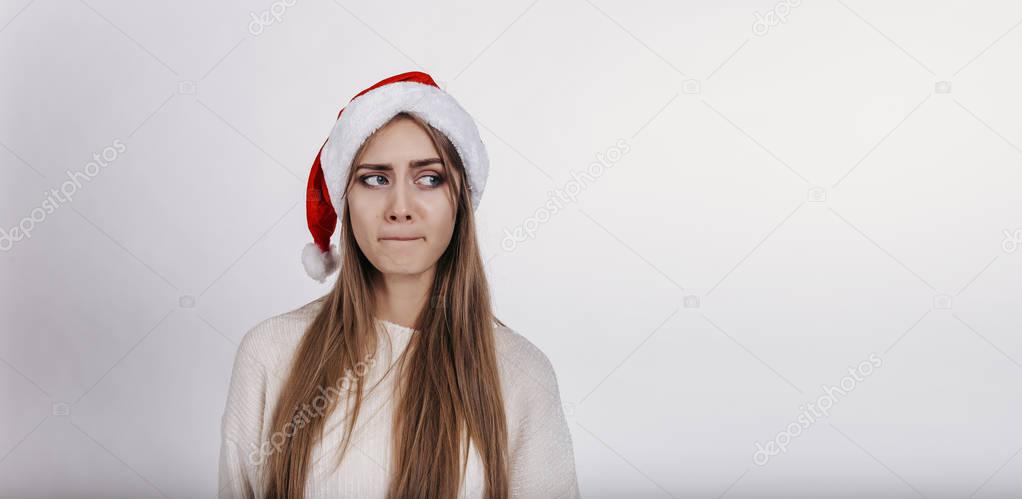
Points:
(320, 264)
(368, 112)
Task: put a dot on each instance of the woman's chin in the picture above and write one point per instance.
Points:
(402, 268)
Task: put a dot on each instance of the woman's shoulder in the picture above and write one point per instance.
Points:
(259, 363)
(522, 362)
(273, 340)
(539, 440)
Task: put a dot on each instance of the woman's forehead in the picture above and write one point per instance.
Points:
(401, 140)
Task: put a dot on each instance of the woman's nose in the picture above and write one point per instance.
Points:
(398, 210)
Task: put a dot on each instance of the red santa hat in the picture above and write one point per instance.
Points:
(413, 92)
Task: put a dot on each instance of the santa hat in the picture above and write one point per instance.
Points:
(413, 92)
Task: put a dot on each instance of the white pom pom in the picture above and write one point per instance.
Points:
(319, 264)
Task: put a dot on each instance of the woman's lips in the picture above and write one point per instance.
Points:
(400, 239)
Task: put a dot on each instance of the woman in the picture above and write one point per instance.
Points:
(400, 382)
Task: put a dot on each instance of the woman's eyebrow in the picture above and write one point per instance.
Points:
(419, 163)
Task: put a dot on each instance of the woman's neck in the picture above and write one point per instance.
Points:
(400, 297)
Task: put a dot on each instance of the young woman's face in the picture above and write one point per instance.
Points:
(399, 203)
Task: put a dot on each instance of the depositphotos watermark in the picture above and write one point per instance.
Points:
(567, 193)
(273, 15)
(326, 398)
(773, 17)
(1012, 240)
(811, 412)
(58, 196)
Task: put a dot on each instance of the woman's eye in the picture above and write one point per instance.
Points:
(437, 180)
(366, 180)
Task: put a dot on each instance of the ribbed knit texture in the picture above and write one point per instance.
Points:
(539, 443)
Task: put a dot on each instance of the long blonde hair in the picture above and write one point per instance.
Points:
(448, 386)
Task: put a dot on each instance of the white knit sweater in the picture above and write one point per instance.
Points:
(539, 443)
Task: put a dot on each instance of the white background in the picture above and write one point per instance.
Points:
(811, 185)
